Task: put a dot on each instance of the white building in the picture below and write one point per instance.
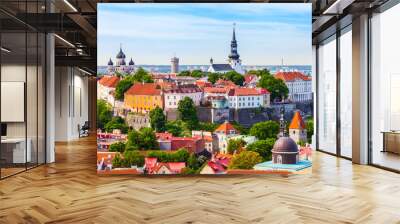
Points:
(224, 132)
(106, 91)
(173, 95)
(240, 98)
(299, 85)
(105, 88)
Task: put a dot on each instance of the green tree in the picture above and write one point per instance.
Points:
(197, 74)
(276, 87)
(116, 123)
(245, 160)
(158, 119)
(213, 77)
(181, 155)
(142, 75)
(187, 113)
(104, 113)
(117, 147)
(134, 140)
(122, 87)
(259, 73)
(240, 128)
(133, 158)
(235, 77)
(264, 130)
(235, 145)
(117, 161)
(310, 129)
(192, 162)
(207, 126)
(184, 73)
(148, 139)
(262, 147)
(178, 128)
(301, 143)
(144, 139)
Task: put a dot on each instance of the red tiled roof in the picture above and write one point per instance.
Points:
(226, 127)
(216, 167)
(109, 81)
(192, 144)
(249, 78)
(263, 91)
(164, 136)
(297, 122)
(144, 89)
(174, 167)
(292, 76)
(244, 92)
(190, 88)
(118, 171)
(202, 83)
(223, 82)
(150, 162)
(215, 89)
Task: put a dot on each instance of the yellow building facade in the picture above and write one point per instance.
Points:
(143, 97)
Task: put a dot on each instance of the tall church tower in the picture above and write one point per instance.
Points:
(234, 57)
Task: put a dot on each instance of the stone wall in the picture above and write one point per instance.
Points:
(138, 121)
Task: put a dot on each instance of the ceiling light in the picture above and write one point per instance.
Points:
(70, 5)
(5, 50)
(64, 40)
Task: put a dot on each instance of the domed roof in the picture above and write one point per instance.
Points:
(110, 62)
(131, 62)
(120, 54)
(285, 144)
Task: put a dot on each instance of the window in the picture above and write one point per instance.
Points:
(326, 105)
(279, 159)
(385, 88)
(346, 94)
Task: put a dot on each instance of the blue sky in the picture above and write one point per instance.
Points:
(153, 33)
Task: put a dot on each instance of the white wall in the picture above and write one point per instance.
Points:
(71, 102)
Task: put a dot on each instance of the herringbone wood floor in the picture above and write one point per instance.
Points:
(69, 191)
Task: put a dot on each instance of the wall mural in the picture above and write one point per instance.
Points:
(204, 89)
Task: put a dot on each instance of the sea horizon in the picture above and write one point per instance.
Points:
(306, 69)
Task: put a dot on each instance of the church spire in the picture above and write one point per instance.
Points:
(234, 54)
(234, 35)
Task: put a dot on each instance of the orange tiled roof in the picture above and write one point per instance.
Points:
(249, 77)
(226, 127)
(109, 81)
(223, 82)
(292, 76)
(297, 122)
(215, 89)
(244, 92)
(144, 89)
